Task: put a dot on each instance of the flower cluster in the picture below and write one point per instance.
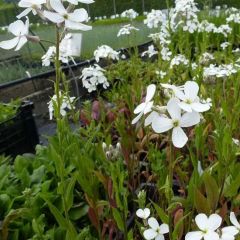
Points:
(127, 30)
(183, 110)
(112, 152)
(155, 231)
(105, 51)
(209, 228)
(150, 52)
(130, 13)
(66, 104)
(155, 18)
(94, 76)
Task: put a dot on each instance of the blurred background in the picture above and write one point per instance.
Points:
(106, 24)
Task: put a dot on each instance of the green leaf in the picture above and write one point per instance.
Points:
(38, 174)
(118, 219)
(211, 189)
(69, 192)
(201, 203)
(163, 216)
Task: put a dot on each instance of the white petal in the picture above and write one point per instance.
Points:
(179, 138)
(54, 17)
(16, 27)
(146, 212)
(211, 236)
(140, 108)
(202, 221)
(77, 26)
(137, 118)
(9, 44)
(24, 13)
(79, 15)
(21, 42)
(150, 118)
(200, 107)
(58, 6)
(189, 119)
(148, 107)
(140, 213)
(230, 230)
(179, 94)
(149, 234)
(150, 92)
(159, 237)
(161, 124)
(225, 236)
(153, 223)
(194, 235)
(173, 109)
(214, 222)
(234, 220)
(191, 89)
(186, 107)
(164, 228)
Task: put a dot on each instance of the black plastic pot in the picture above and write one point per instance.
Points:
(19, 134)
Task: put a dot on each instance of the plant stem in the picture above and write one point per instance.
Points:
(170, 222)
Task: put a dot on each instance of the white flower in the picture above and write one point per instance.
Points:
(20, 30)
(176, 122)
(72, 20)
(143, 213)
(234, 221)
(161, 74)
(228, 233)
(207, 226)
(146, 106)
(150, 52)
(154, 18)
(66, 104)
(179, 59)
(130, 13)
(75, 2)
(105, 51)
(224, 45)
(190, 100)
(155, 231)
(94, 76)
(31, 6)
(126, 30)
(48, 57)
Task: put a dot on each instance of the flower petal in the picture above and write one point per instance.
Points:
(77, 26)
(214, 222)
(173, 108)
(153, 223)
(159, 237)
(139, 108)
(54, 17)
(179, 138)
(149, 234)
(191, 90)
(9, 44)
(189, 119)
(150, 118)
(186, 107)
(148, 107)
(79, 15)
(137, 118)
(21, 42)
(16, 27)
(234, 220)
(202, 221)
(164, 228)
(230, 230)
(210, 235)
(161, 124)
(24, 13)
(200, 107)
(140, 213)
(58, 7)
(194, 235)
(150, 92)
